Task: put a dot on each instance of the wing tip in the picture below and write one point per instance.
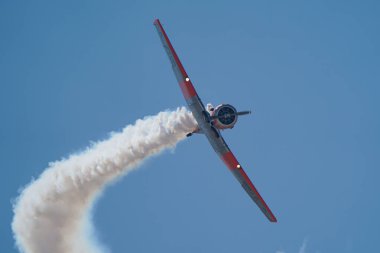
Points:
(270, 215)
(156, 21)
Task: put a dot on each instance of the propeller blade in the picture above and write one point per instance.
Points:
(244, 113)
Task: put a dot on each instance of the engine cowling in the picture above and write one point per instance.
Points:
(224, 116)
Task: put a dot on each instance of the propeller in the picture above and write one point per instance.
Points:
(228, 115)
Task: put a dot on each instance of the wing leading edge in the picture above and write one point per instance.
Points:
(204, 123)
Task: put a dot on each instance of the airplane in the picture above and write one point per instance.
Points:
(210, 121)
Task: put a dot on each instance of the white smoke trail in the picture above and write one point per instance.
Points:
(51, 215)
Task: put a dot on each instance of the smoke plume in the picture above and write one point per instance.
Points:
(52, 214)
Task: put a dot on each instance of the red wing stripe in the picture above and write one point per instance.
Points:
(181, 68)
(187, 89)
(242, 172)
(230, 160)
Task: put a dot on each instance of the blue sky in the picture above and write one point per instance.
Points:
(72, 72)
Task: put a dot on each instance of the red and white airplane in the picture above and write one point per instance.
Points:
(210, 121)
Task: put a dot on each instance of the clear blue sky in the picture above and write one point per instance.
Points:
(72, 72)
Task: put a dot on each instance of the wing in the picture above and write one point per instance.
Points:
(193, 101)
(235, 167)
(183, 79)
(224, 152)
